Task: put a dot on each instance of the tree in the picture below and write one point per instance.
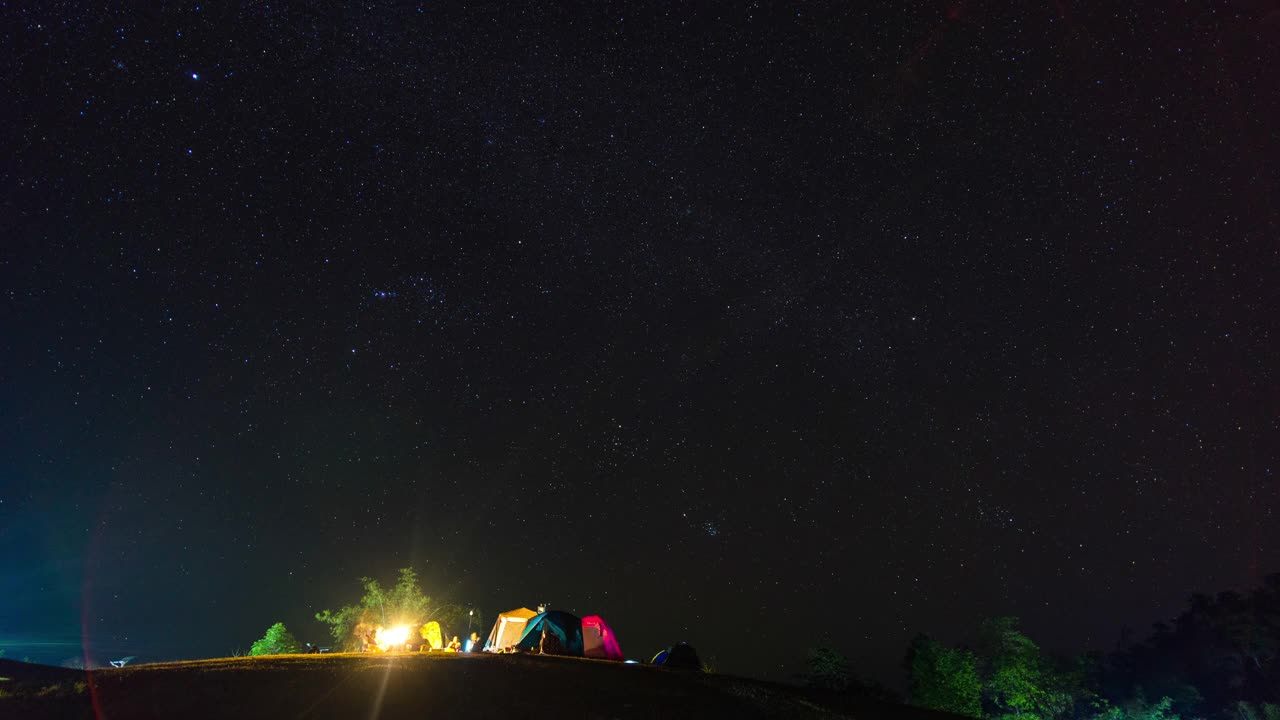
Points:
(343, 623)
(1019, 683)
(1219, 658)
(1080, 681)
(1257, 711)
(277, 641)
(827, 669)
(943, 678)
(403, 604)
(1137, 708)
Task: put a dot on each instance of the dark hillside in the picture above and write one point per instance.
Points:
(404, 686)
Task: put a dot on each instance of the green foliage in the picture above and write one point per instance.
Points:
(827, 669)
(342, 624)
(404, 603)
(1019, 683)
(1257, 711)
(1079, 683)
(1138, 708)
(1008, 678)
(943, 678)
(1219, 658)
(277, 641)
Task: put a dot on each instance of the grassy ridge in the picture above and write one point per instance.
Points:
(416, 685)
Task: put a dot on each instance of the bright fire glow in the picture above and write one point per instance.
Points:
(392, 638)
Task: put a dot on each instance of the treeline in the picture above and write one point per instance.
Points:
(1218, 660)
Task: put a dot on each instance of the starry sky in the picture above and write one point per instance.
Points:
(756, 325)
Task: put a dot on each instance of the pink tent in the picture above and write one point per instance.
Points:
(598, 640)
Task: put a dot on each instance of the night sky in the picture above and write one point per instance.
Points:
(752, 325)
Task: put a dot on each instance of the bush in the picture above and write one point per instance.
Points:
(277, 641)
(827, 669)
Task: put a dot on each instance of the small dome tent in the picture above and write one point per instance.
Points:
(433, 634)
(598, 640)
(680, 656)
(509, 628)
(563, 630)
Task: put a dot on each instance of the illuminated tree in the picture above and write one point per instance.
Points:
(342, 625)
(943, 678)
(1018, 681)
(277, 641)
(1138, 708)
(403, 604)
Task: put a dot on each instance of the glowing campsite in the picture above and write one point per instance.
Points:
(553, 632)
(397, 652)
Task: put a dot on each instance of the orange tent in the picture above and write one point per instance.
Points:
(508, 629)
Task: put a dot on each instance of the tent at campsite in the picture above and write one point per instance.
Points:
(509, 628)
(433, 635)
(562, 629)
(598, 640)
(680, 656)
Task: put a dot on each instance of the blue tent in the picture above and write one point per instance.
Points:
(564, 631)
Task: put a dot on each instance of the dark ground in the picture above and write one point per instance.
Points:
(409, 685)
